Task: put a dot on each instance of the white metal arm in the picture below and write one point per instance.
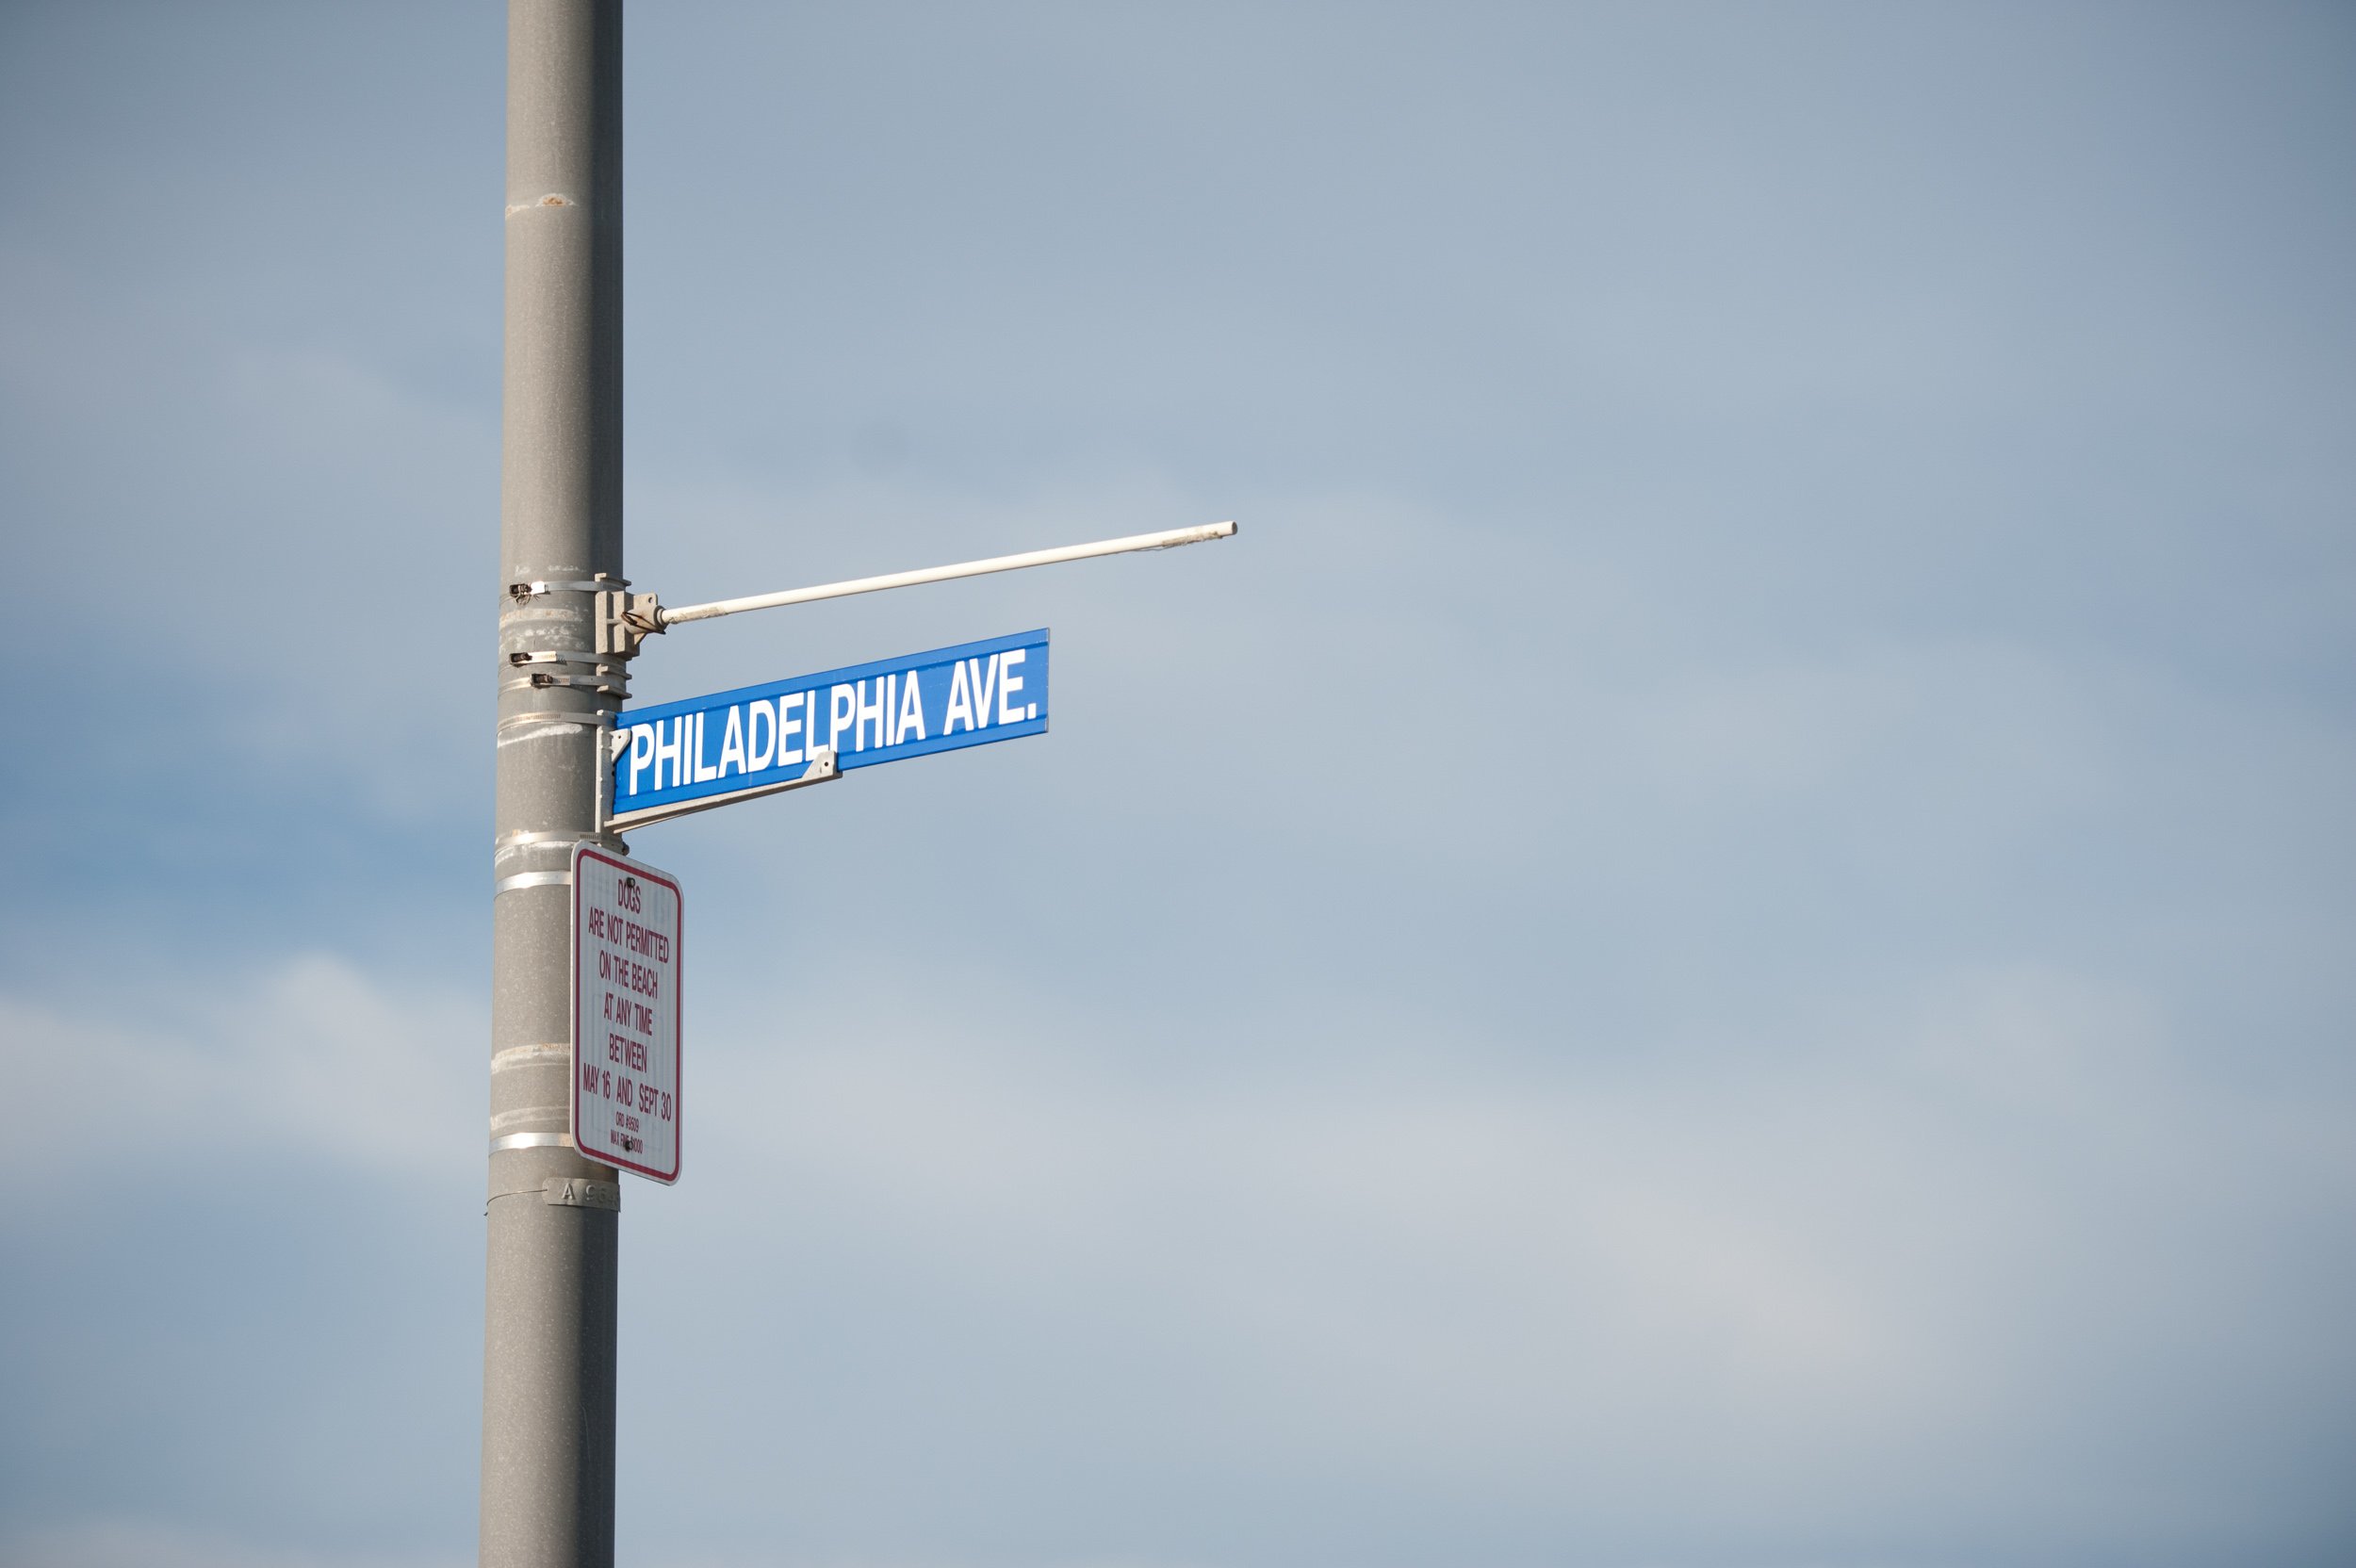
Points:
(1167, 539)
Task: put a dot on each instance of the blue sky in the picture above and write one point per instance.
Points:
(1720, 938)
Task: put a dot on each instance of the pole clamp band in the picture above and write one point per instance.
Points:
(595, 719)
(531, 1140)
(565, 656)
(600, 585)
(540, 680)
(528, 839)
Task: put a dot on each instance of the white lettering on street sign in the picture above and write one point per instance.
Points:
(626, 1013)
(762, 736)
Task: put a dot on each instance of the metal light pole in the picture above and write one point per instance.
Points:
(549, 1325)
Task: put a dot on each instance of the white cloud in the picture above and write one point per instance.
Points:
(123, 1544)
(1790, 1279)
(309, 1057)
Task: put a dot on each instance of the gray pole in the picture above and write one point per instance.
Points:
(548, 1327)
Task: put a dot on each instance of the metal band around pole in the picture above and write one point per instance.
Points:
(532, 1140)
(531, 590)
(518, 1056)
(562, 656)
(555, 715)
(526, 838)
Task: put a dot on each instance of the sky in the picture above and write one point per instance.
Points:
(1719, 939)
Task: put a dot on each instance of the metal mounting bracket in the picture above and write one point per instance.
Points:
(820, 770)
(625, 620)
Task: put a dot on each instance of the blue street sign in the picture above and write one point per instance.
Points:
(759, 737)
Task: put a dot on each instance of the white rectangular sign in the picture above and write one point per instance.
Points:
(626, 1013)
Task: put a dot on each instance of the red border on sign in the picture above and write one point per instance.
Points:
(678, 1055)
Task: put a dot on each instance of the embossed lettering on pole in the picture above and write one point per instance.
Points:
(626, 1013)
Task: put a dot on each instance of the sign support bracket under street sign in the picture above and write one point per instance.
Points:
(822, 771)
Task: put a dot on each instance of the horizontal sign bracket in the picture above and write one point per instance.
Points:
(626, 619)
